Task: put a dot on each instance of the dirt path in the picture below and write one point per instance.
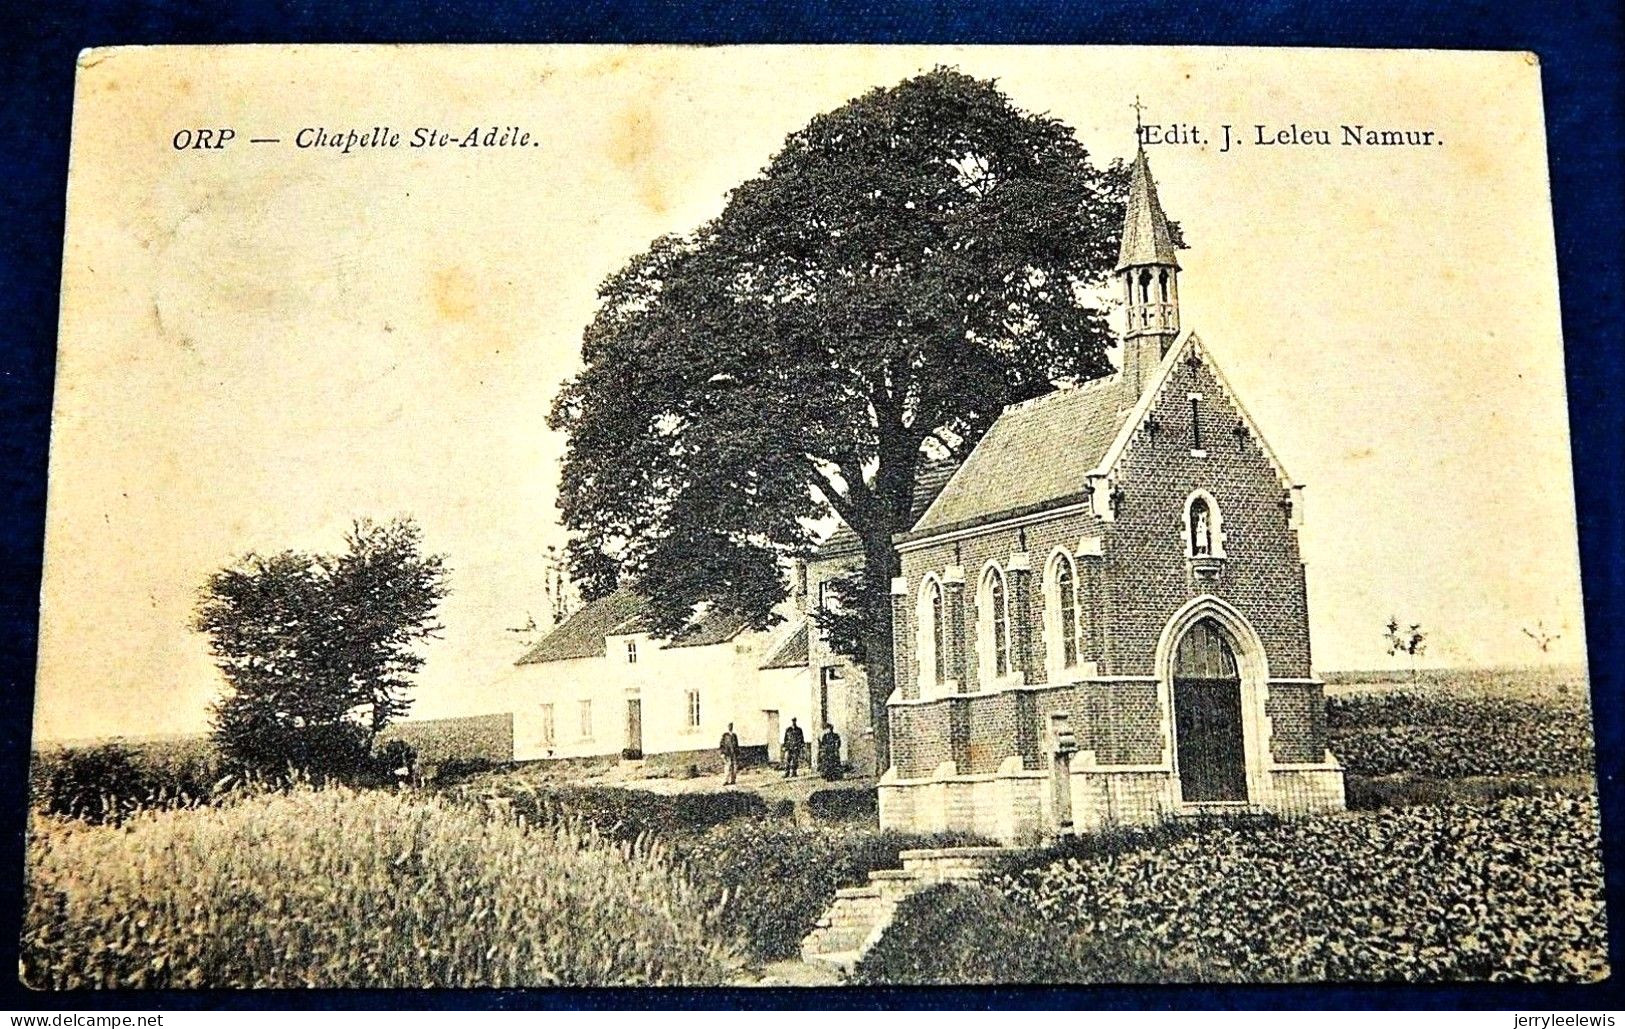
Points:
(797, 973)
(771, 784)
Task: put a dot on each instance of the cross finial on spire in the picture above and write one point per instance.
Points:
(1139, 109)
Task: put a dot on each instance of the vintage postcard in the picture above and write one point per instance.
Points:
(580, 515)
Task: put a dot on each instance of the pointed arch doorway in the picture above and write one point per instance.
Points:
(1209, 732)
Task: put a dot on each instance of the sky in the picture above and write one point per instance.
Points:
(262, 342)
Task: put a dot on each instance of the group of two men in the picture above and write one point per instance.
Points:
(794, 747)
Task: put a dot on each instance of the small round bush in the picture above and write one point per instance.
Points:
(97, 784)
(846, 805)
(110, 781)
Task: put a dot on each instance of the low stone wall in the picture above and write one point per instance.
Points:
(438, 741)
(1017, 807)
(933, 865)
(1104, 796)
(1007, 805)
(1308, 789)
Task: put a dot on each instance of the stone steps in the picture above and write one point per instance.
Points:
(859, 916)
(843, 961)
(841, 917)
(848, 928)
(843, 938)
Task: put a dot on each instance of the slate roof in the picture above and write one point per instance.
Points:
(623, 611)
(791, 651)
(1041, 453)
(1146, 239)
(712, 628)
(583, 633)
(1036, 453)
(929, 479)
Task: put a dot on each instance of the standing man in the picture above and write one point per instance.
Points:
(829, 753)
(794, 740)
(730, 755)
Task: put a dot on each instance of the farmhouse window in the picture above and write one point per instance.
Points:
(693, 709)
(631, 652)
(548, 733)
(828, 596)
(585, 709)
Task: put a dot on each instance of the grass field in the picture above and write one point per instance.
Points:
(1473, 853)
(1532, 682)
(1468, 736)
(363, 889)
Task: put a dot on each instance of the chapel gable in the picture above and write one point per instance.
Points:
(1201, 505)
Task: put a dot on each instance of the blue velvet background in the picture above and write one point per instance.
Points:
(1580, 49)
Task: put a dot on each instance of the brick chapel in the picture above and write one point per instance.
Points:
(1102, 617)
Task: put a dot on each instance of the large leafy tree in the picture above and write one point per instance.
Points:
(905, 267)
(319, 650)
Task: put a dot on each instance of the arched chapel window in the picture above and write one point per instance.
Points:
(931, 639)
(1061, 600)
(939, 637)
(994, 624)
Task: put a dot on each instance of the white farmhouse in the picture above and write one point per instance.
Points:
(599, 685)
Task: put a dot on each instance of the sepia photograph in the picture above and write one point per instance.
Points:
(809, 516)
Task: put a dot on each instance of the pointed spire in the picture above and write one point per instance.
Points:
(1150, 274)
(1146, 239)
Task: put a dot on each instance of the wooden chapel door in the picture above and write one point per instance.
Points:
(1211, 746)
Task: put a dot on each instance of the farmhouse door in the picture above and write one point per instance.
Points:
(772, 720)
(634, 729)
(1207, 717)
